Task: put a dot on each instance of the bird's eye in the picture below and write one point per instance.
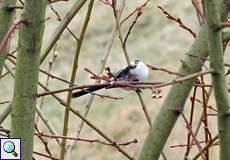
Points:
(136, 61)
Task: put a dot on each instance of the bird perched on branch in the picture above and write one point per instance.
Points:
(136, 71)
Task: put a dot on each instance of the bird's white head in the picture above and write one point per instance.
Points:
(140, 70)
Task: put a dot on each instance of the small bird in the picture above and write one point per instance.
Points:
(136, 71)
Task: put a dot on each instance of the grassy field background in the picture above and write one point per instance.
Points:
(154, 40)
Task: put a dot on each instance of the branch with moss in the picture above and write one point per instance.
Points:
(26, 76)
(178, 94)
(218, 77)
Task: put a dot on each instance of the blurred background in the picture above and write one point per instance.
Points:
(154, 39)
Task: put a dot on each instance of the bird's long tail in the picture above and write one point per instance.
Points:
(89, 90)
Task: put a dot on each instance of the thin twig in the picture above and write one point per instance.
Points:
(10, 32)
(58, 32)
(190, 122)
(134, 11)
(211, 141)
(164, 70)
(45, 143)
(46, 83)
(46, 156)
(199, 12)
(132, 84)
(177, 20)
(139, 12)
(87, 140)
(101, 68)
(90, 124)
(73, 76)
(193, 135)
(60, 19)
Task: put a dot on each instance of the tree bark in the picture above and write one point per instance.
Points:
(26, 76)
(175, 100)
(6, 17)
(218, 77)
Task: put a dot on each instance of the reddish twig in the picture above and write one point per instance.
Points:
(130, 84)
(139, 13)
(12, 29)
(55, 77)
(210, 107)
(205, 118)
(199, 12)
(46, 156)
(88, 140)
(177, 20)
(164, 70)
(110, 74)
(134, 11)
(132, 25)
(95, 76)
(42, 71)
(185, 145)
(43, 141)
(190, 122)
(60, 19)
(210, 143)
(192, 134)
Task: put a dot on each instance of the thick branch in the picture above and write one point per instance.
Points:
(26, 77)
(218, 77)
(175, 100)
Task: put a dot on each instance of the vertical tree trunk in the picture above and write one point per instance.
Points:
(218, 77)
(6, 16)
(26, 77)
(175, 100)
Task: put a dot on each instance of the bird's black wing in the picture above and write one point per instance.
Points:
(89, 90)
(121, 74)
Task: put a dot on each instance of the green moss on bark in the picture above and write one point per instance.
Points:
(218, 77)
(26, 76)
(175, 100)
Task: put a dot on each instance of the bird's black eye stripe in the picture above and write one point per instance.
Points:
(133, 66)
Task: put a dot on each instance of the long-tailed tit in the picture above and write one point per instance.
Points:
(136, 71)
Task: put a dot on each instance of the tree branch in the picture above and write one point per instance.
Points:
(218, 77)
(175, 100)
